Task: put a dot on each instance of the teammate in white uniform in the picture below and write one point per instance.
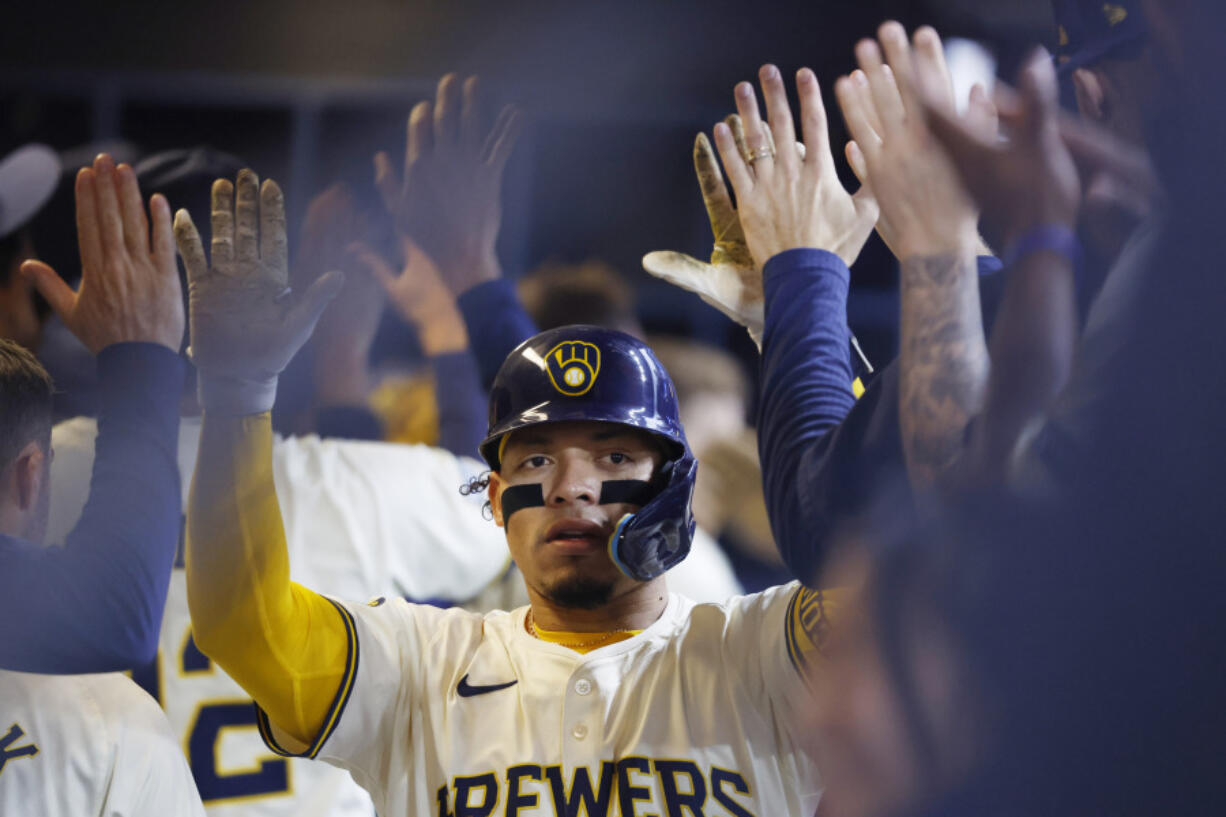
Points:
(77, 745)
(362, 519)
(452, 712)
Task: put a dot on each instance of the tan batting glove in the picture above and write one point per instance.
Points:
(730, 283)
(246, 325)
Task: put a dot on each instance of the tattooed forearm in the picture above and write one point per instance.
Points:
(943, 363)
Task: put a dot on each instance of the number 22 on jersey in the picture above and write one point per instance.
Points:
(220, 731)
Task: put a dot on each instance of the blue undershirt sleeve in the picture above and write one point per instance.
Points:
(497, 322)
(824, 456)
(95, 604)
(805, 391)
(348, 423)
(461, 402)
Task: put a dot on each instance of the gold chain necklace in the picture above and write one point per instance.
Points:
(600, 640)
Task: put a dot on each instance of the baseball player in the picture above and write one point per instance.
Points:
(606, 693)
(80, 744)
(395, 525)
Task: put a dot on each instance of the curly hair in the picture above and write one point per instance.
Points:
(477, 484)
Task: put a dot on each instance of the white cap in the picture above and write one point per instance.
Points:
(28, 177)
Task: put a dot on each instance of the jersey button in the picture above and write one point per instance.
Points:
(580, 732)
(583, 686)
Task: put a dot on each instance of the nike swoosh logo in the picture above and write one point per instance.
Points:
(466, 690)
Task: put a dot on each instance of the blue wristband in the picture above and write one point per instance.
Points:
(1047, 238)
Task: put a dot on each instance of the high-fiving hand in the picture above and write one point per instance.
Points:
(925, 210)
(246, 325)
(789, 196)
(930, 222)
(448, 201)
(786, 200)
(418, 294)
(1029, 182)
(130, 289)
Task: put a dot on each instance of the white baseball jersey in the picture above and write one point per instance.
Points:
(454, 714)
(361, 519)
(88, 746)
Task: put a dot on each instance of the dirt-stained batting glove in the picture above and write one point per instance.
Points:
(246, 324)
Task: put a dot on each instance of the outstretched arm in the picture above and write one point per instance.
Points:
(95, 605)
(828, 459)
(804, 228)
(931, 224)
(286, 645)
(805, 396)
(1031, 190)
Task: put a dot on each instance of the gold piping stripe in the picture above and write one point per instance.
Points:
(789, 635)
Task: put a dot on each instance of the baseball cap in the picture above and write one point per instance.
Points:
(1091, 29)
(28, 177)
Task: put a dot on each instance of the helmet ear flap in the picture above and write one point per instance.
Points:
(657, 537)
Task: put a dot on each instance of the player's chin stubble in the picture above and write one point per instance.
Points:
(580, 593)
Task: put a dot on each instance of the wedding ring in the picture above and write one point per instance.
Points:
(761, 153)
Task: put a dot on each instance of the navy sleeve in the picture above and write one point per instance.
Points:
(348, 423)
(95, 605)
(805, 391)
(825, 459)
(461, 402)
(497, 322)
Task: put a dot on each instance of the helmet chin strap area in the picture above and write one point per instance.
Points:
(612, 492)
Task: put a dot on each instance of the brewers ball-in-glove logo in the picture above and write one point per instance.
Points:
(573, 366)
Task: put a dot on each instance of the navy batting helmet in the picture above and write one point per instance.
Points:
(593, 374)
(1090, 30)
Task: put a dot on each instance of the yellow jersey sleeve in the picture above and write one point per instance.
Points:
(290, 648)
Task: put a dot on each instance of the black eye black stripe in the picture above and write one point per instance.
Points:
(612, 492)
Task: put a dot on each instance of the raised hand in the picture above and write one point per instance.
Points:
(1030, 181)
(346, 330)
(448, 201)
(1030, 189)
(731, 282)
(930, 222)
(246, 324)
(420, 296)
(1121, 186)
(130, 290)
(787, 200)
(925, 210)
